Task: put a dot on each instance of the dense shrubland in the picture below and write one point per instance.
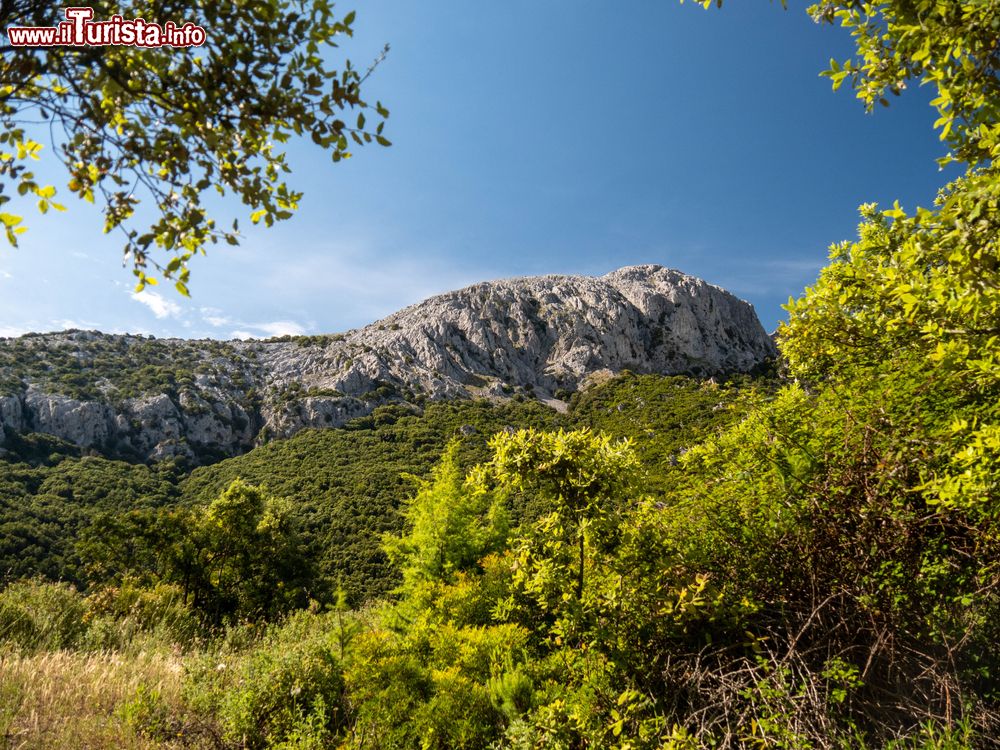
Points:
(791, 591)
(344, 486)
(193, 568)
(91, 366)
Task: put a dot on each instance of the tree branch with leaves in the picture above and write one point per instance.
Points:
(166, 127)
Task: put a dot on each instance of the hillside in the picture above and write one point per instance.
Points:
(346, 485)
(144, 399)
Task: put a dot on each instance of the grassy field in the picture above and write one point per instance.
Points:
(75, 700)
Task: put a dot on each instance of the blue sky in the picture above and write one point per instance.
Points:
(561, 136)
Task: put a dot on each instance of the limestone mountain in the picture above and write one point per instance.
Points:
(542, 337)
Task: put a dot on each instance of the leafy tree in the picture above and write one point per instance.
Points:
(952, 45)
(132, 546)
(918, 293)
(168, 125)
(348, 485)
(577, 476)
(873, 488)
(241, 557)
(450, 524)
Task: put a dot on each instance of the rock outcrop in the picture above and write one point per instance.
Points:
(540, 336)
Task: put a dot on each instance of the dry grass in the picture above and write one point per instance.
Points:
(73, 700)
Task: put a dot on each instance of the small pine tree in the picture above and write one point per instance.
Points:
(451, 524)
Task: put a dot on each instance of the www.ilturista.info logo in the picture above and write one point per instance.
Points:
(79, 30)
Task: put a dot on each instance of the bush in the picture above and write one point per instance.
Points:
(147, 713)
(287, 691)
(439, 686)
(121, 612)
(281, 693)
(36, 615)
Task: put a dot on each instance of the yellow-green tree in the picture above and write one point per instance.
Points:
(450, 525)
(580, 480)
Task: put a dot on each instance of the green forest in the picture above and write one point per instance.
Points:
(804, 559)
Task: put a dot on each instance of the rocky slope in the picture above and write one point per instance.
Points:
(544, 337)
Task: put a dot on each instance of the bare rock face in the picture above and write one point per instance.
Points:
(539, 336)
(315, 412)
(11, 414)
(86, 423)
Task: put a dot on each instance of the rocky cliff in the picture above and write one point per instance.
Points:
(541, 337)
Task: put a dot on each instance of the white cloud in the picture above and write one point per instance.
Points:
(161, 308)
(6, 274)
(268, 330)
(242, 329)
(341, 281)
(65, 324)
(214, 317)
(50, 326)
(280, 328)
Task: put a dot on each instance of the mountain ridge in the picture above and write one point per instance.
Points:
(541, 336)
